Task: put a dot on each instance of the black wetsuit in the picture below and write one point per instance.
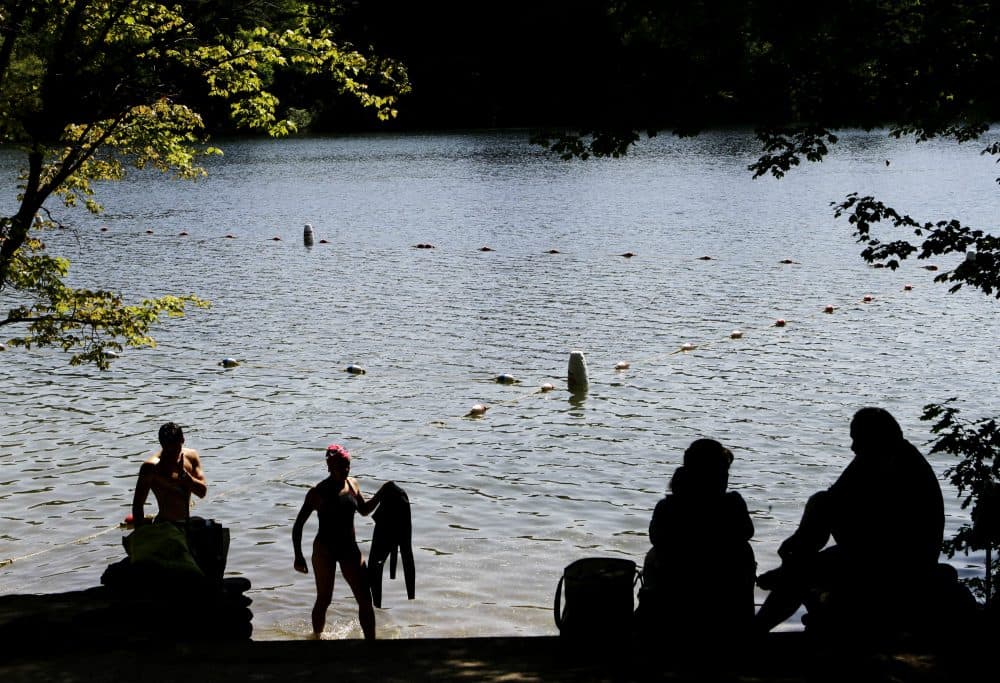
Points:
(393, 533)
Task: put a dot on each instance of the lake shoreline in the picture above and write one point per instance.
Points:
(56, 637)
(781, 657)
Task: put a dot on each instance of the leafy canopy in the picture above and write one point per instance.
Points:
(91, 88)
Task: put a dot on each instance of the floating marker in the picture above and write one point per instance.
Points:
(828, 309)
(149, 232)
(355, 369)
(548, 386)
(907, 288)
(867, 298)
(307, 235)
(736, 334)
(323, 242)
(622, 365)
(424, 245)
(505, 379)
(128, 518)
(553, 251)
(780, 322)
(230, 236)
(629, 254)
(182, 233)
(687, 346)
(576, 374)
(931, 267)
(486, 249)
(104, 228)
(2, 347)
(275, 239)
(704, 258)
(229, 362)
(477, 410)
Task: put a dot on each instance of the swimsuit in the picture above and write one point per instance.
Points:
(336, 521)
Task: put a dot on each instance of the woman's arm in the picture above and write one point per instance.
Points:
(300, 522)
(365, 507)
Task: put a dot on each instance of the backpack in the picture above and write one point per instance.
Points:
(600, 597)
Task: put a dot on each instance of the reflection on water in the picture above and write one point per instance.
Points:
(501, 503)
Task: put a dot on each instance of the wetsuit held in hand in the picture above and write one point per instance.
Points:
(393, 534)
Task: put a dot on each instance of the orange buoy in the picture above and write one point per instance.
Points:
(780, 322)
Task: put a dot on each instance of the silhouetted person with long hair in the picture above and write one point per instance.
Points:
(885, 515)
(698, 577)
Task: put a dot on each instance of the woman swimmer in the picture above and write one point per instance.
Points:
(335, 500)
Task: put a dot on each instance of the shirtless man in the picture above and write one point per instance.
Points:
(172, 475)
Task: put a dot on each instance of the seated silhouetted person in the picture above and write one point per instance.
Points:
(885, 515)
(699, 575)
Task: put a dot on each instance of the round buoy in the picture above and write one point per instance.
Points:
(355, 369)
(229, 362)
(828, 309)
(687, 346)
(505, 379)
(477, 410)
(736, 334)
(104, 228)
(867, 298)
(548, 386)
(621, 365)
(149, 232)
(907, 288)
(780, 322)
(307, 235)
(129, 518)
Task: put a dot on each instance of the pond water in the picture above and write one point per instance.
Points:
(500, 503)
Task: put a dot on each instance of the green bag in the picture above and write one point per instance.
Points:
(164, 547)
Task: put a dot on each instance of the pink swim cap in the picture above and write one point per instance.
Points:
(335, 450)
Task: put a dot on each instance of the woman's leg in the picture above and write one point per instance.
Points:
(356, 573)
(325, 571)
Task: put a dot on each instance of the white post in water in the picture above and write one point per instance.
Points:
(307, 235)
(576, 376)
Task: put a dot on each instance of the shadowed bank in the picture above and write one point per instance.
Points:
(81, 637)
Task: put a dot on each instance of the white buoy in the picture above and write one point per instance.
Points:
(477, 410)
(229, 362)
(687, 346)
(505, 379)
(576, 374)
(548, 386)
(622, 365)
(307, 235)
(736, 334)
(355, 369)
